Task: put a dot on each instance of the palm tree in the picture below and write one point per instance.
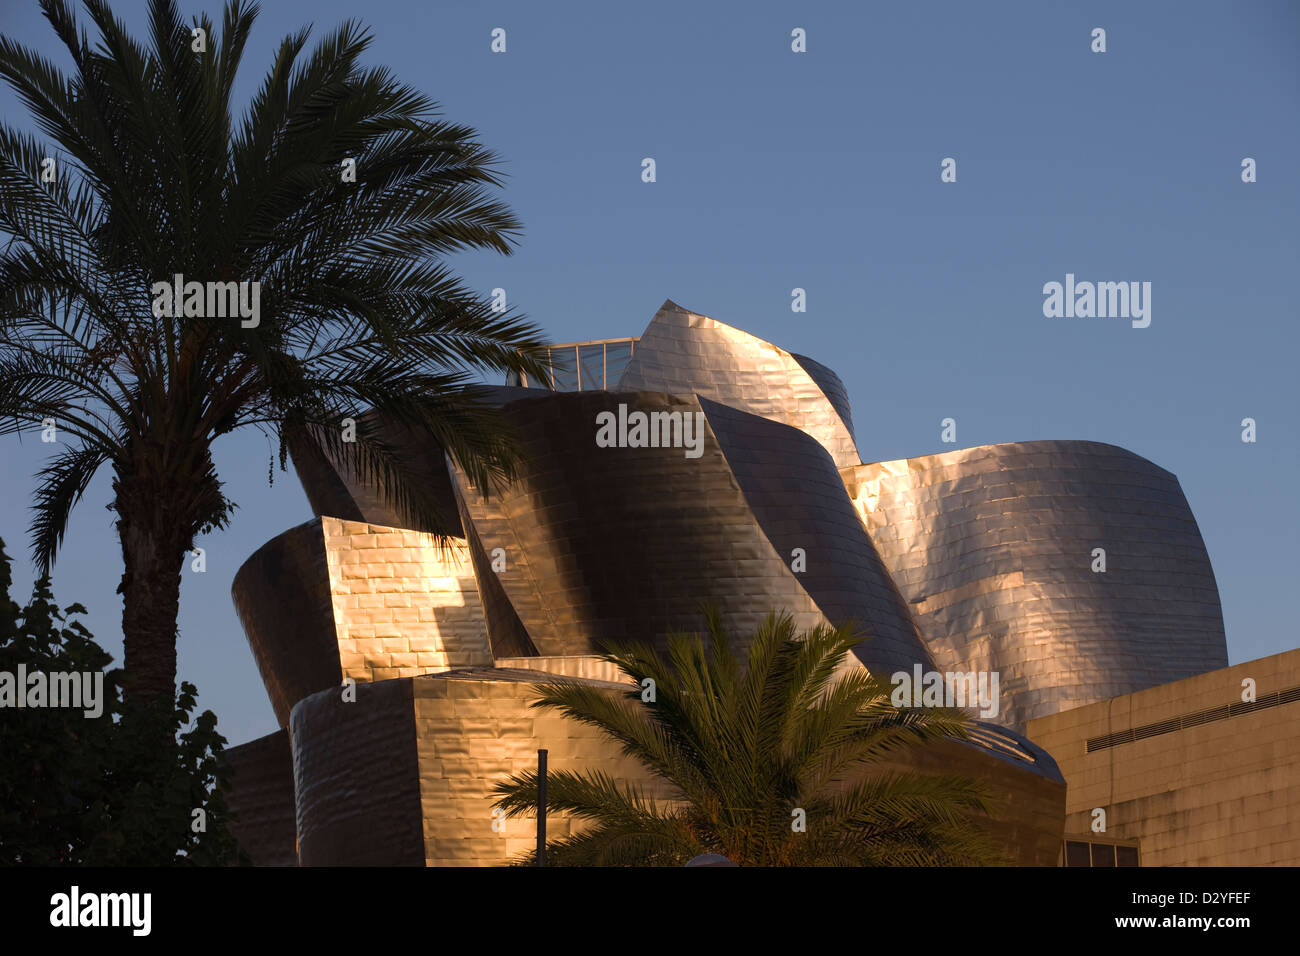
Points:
(743, 746)
(338, 192)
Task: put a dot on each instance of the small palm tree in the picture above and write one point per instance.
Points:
(744, 747)
(337, 192)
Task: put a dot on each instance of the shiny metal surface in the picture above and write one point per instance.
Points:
(506, 632)
(992, 547)
(618, 543)
(831, 387)
(684, 353)
(403, 604)
(262, 799)
(797, 497)
(282, 596)
(971, 560)
(1027, 791)
(335, 490)
(357, 777)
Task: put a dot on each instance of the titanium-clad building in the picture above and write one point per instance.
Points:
(694, 465)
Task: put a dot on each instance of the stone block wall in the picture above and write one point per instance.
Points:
(403, 605)
(473, 731)
(1213, 792)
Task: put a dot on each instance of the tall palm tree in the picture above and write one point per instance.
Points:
(338, 191)
(743, 745)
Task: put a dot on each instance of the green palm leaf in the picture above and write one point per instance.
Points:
(156, 174)
(742, 742)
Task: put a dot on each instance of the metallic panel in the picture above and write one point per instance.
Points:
(618, 543)
(797, 497)
(1026, 788)
(334, 489)
(992, 546)
(588, 668)
(683, 353)
(261, 798)
(357, 777)
(831, 387)
(282, 596)
(507, 634)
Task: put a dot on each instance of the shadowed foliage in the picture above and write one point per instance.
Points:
(153, 177)
(746, 741)
(99, 790)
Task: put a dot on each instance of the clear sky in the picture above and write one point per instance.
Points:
(821, 170)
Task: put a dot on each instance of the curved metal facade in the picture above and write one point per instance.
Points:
(972, 560)
(797, 498)
(993, 549)
(616, 543)
(832, 388)
(334, 490)
(282, 597)
(686, 353)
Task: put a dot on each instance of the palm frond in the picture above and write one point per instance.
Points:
(750, 743)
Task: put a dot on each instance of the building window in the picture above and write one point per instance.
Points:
(1082, 851)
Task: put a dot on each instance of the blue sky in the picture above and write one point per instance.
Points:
(820, 170)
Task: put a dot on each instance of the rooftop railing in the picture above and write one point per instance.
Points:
(582, 366)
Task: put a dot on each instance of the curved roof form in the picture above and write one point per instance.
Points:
(995, 549)
(683, 352)
(600, 543)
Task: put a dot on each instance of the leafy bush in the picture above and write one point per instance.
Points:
(99, 791)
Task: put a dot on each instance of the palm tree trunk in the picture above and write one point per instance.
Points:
(153, 554)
